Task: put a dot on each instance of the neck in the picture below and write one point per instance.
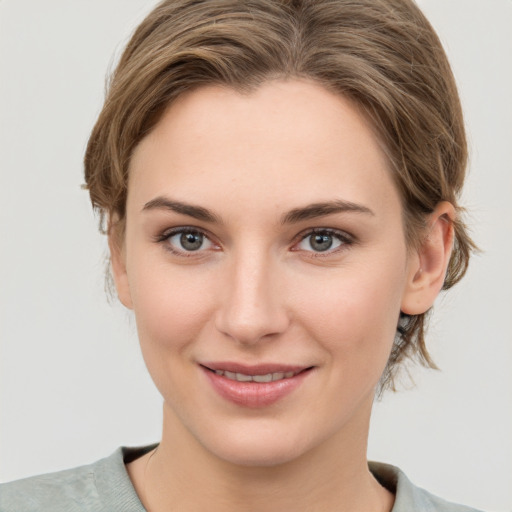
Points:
(183, 475)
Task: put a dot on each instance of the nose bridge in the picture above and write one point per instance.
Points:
(252, 307)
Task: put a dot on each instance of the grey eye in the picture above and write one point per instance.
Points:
(321, 242)
(189, 241)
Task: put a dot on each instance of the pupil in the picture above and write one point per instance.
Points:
(191, 241)
(321, 242)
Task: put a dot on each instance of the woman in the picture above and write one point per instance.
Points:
(279, 184)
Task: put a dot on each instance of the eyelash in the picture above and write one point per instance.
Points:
(169, 233)
(344, 238)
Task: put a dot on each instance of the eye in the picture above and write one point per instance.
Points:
(323, 240)
(185, 240)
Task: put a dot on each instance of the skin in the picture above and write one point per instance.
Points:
(256, 291)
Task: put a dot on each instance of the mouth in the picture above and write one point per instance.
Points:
(264, 372)
(254, 386)
(267, 377)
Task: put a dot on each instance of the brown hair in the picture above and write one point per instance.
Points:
(383, 54)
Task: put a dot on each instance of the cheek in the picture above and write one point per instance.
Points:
(171, 311)
(354, 314)
(170, 307)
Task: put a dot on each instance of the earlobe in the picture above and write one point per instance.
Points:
(428, 265)
(118, 264)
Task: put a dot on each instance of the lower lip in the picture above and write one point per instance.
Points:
(254, 394)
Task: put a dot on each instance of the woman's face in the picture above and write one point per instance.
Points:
(265, 260)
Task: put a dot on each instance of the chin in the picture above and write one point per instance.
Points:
(257, 447)
(258, 456)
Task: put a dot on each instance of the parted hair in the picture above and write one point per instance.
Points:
(382, 54)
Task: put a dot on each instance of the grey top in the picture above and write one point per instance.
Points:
(105, 486)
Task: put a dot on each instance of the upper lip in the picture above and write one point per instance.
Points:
(253, 369)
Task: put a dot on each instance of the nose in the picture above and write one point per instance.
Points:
(252, 306)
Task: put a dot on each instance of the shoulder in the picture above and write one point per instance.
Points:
(65, 490)
(409, 497)
(101, 486)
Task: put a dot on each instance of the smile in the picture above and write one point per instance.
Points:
(268, 377)
(254, 386)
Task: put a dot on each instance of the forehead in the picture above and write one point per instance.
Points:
(286, 142)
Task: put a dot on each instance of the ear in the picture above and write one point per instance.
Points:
(429, 262)
(116, 245)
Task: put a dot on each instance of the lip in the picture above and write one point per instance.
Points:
(254, 394)
(254, 369)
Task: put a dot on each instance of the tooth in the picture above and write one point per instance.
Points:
(262, 378)
(242, 377)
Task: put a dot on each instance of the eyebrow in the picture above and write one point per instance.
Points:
(320, 209)
(310, 211)
(197, 212)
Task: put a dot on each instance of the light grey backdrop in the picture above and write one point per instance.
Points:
(73, 386)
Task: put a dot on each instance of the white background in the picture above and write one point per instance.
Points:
(73, 386)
